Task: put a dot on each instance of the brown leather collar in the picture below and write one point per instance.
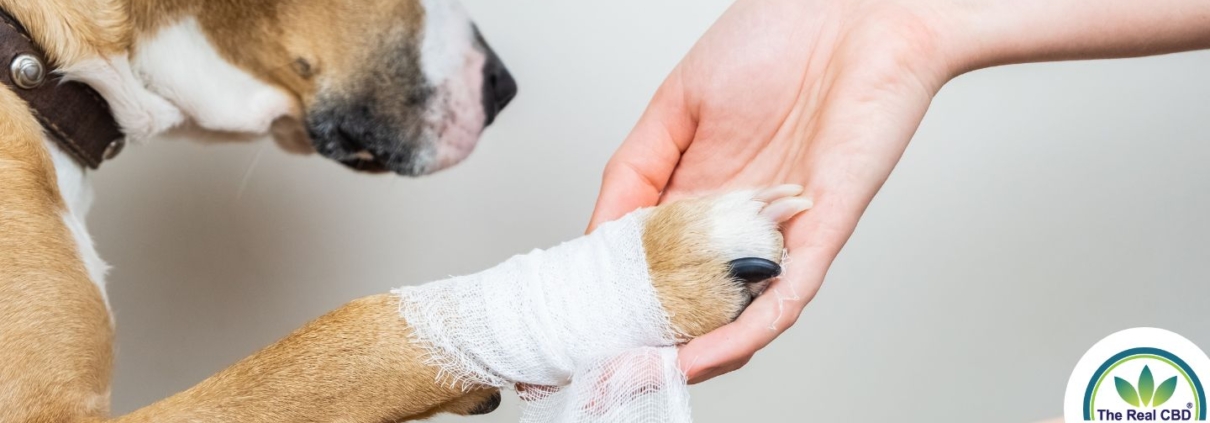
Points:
(71, 112)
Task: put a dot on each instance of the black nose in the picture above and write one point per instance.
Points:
(499, 87)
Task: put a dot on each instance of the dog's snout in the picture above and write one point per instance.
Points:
(499, 87)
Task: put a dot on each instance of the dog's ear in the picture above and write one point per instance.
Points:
(290, 134)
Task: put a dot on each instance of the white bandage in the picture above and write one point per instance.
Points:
(582, 317)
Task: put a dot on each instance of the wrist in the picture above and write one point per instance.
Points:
(985, 33)
(931, 37)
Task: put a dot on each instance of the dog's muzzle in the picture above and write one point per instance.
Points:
(368, 132)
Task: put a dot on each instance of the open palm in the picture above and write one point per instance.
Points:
(822, 94)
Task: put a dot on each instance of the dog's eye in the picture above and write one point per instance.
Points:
(302, 67)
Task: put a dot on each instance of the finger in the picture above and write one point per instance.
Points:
(638, 172)
(730, 347)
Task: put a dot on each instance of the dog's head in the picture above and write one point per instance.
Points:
(380, 85)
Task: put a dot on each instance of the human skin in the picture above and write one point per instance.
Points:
(827, 94)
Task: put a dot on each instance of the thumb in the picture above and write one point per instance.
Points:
(638, 172)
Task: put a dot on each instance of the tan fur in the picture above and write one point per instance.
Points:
(73, 30)
(690, 276)
(287, 43)
(354, 364)
(55, 335)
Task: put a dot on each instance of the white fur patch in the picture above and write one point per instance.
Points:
(735, 233)
(446, 40)
(76, 189)
(458, 116)
(451, 63)
(180, 64)
(140, 113)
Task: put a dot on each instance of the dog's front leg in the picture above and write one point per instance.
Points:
(55, 332)
(354, 364)
(377, 359)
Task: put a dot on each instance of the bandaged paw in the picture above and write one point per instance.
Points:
(597, 318)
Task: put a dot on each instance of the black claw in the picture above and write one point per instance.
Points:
(487, 406)
(754, 269)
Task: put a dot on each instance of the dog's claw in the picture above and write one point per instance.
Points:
(783, 209)
(754, 269)
(490, 405)
(770, 195)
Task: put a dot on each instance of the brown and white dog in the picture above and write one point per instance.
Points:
(380, 85)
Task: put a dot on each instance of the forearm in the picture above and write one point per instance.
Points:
(997, 32)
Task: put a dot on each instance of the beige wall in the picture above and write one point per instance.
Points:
(1039, 208)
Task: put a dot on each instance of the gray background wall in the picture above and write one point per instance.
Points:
(1040, 208)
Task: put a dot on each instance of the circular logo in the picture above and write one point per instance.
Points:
(1140, 374)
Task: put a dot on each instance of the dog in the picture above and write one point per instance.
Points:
(403, 86)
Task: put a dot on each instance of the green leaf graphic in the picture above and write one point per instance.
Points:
(1146, 386)
(1126, 391)
(1164, 391)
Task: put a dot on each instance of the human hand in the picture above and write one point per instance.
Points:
(821, 94)
(827, 94)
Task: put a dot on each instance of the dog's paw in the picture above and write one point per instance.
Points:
(710, 257)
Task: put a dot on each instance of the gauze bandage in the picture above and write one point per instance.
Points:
(582, 317)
